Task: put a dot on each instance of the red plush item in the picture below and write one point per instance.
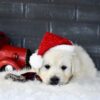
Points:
(14, 56)
(10, 56)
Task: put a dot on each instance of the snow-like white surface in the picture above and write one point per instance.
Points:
(88, 89)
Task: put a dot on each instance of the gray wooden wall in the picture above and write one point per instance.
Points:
(25, 22)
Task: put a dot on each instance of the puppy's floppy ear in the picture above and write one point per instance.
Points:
(82, 63)
(75, 63)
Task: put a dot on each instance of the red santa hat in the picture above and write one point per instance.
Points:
(49, 41)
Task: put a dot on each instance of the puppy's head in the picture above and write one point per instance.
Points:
(56, 68)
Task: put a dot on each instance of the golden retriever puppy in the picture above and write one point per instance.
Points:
(60, 65)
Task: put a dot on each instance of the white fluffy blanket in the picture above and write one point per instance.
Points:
(89, 89)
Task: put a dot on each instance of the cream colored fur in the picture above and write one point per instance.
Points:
(79, 65)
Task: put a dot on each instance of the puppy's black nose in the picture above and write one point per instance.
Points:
(54, 80)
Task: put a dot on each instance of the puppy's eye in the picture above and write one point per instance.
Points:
(47, 66)
(63, 67)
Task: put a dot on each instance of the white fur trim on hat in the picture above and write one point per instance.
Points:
(35, 60)
(69, 48)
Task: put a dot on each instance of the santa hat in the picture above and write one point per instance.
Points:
(49, 41)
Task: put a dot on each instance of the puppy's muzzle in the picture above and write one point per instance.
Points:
(54, 80)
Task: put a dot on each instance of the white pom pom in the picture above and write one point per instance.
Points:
(35, 61)
(8, 68)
